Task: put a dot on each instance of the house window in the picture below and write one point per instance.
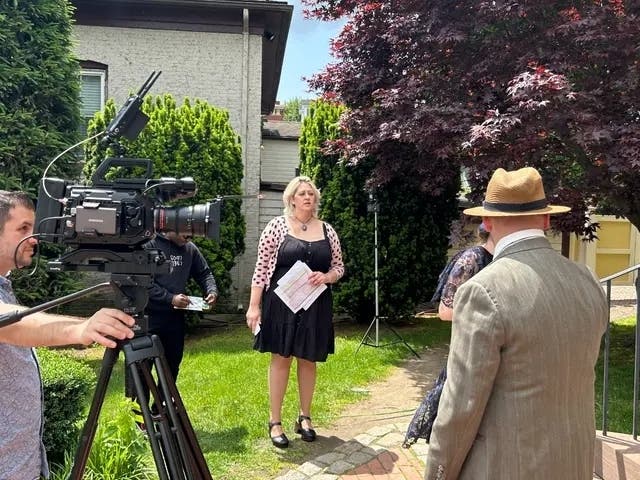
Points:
(92, 95)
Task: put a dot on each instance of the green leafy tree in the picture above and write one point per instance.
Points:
(412, 225)
(39, 91)
(291, 111)
(193, 139)
(39, 114)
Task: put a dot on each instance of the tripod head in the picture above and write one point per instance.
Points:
(131, 276)
(132, 296)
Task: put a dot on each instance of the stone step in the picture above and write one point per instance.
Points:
(617, 457)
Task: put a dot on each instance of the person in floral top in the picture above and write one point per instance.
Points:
(464, 265)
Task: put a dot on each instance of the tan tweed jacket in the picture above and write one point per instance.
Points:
(518, 403)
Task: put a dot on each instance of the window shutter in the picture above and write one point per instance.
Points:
(91, 95)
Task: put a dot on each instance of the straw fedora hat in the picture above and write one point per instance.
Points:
(512, 194)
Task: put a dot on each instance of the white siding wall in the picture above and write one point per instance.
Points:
(279, 160)
(270, 206)
(279, 163)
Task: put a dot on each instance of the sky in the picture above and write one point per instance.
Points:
(307, 52)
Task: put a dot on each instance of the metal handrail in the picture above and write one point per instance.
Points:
(607, 346)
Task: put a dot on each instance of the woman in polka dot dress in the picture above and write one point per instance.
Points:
(308, 334)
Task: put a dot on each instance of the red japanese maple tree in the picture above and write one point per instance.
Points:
(435, 85)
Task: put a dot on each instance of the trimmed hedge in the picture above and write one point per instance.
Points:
(66, 383)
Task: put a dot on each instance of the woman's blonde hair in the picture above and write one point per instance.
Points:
(290, 191)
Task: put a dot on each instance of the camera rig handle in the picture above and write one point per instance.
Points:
(16, 316)
(98, 178)
(131, 293)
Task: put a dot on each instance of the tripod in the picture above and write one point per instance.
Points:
(174, 445)
(375, 323)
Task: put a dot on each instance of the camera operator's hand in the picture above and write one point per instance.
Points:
(106, 322)
(180, 301)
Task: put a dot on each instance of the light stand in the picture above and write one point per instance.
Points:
(375, 323)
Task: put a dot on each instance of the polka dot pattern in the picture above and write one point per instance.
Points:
(269, 243)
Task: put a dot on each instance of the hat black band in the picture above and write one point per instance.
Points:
(515, 207)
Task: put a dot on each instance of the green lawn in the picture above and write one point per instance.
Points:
(223, 383)
(620, 408)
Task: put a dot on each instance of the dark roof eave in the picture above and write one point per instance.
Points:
(273, 16)
(220, 4)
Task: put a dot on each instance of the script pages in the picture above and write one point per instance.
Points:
(295, 290)
(197, 304)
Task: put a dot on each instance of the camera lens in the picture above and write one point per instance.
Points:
(201, 220)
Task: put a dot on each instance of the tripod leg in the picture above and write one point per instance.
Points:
(143, 401)
(89, 430)
(171, 434)
(194, 462)
(400, 339)
(366, 335)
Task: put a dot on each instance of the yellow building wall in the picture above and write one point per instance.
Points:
(616, 248)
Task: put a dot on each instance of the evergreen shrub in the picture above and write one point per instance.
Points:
(194, 139)
(39, 111)
(413, 225)
(66, 384)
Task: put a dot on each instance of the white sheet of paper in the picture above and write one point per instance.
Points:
(197, 304)
(295, 290)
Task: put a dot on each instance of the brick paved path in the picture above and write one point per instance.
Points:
(378, 453)
(374, 455)
(393, 464)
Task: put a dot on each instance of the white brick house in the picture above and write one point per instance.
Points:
(227, 52)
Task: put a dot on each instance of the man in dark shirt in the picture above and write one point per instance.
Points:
(167, 297)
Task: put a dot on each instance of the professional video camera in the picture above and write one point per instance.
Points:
(105, 224)
(118, 215)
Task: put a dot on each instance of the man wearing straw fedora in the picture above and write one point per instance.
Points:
(519, 400)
